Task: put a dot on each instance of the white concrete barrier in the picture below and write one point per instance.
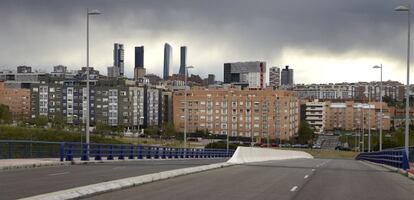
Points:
(252, 154)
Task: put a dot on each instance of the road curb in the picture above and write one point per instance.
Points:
(394, 169)
(94, 189)
(34, 165)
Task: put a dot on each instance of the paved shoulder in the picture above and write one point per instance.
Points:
(23, 183)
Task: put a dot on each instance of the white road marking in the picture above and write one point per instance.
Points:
(57, 174)
(306, 177)
(294, 188)
(313, 170)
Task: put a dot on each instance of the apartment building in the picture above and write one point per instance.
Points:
(46, 97)
(18, 101)
(238, 112)
(347, 115)
(361, 91)
(315, 114)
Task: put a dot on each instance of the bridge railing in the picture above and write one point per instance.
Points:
(70, 150)
(395, 158)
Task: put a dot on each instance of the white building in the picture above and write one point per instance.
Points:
(316, 115)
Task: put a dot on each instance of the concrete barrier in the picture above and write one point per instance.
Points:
(252, 154)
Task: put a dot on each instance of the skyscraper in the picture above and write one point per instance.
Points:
(274, 77)
(119, 58)
(139, 70)
(183, 60)
(139, 57)
(287, 77)
(167, 60)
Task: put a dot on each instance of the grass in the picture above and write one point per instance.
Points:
(39, 134)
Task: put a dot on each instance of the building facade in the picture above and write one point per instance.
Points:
(347, 115)
(274, 77)
(287, 77)
(244, 113)
(18, 100)
(139, 70)
(119, 58)
(249, 74)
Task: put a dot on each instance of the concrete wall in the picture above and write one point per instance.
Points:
(249, 154)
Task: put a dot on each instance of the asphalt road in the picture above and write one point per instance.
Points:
(322, 179)
(23, 183)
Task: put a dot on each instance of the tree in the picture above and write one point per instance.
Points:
(169, 130)
(41, 121)
(5, 115)
(305, 133)
(152, 130)
(58, 121)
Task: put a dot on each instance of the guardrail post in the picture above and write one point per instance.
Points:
(121, 153)
(62, 151)
(164, 152)
(149, 152)
(69, 153)
(140, 155)
(84, 152)
(98, 152)
(131, 152)
(9, 149)
(110, 153)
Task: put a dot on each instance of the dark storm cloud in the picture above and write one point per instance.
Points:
(42, 33)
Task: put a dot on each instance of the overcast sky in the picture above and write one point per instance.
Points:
(322, 40)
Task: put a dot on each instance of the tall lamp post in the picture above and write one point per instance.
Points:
(369, 118)
(88, 13)
(185, 105)
(381, 115)
(407, 89)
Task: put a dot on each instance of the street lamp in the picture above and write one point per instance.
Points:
(407, 89)
(185, 105)
(381, 114)
(88, 13)
(369, 117)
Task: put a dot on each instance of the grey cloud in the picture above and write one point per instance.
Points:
(47, 32)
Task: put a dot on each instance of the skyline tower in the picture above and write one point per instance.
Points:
(139, 70)
(183, 60)
(167, 60)
(119, 58)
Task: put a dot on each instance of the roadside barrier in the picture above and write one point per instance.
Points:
(68, 151)
(395, 158)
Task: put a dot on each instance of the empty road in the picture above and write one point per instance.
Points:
(29, 182)
(322, 179)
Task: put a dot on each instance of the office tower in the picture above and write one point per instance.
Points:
(183, 60)
(274, 77)
(167, 60)
(119, 58)
(247, 74)
(139, 70)
(287, 77)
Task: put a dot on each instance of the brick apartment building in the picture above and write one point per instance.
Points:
(238, 112)
(18, 101)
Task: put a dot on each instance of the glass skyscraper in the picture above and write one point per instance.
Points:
(167, 60)
(183, 60)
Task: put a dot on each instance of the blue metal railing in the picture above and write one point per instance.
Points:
(71, 150)
(395, 158)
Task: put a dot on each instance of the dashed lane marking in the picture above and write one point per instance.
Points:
(294, 188)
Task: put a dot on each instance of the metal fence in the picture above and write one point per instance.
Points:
(395, 158)
(410, 152)
(71, 150)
